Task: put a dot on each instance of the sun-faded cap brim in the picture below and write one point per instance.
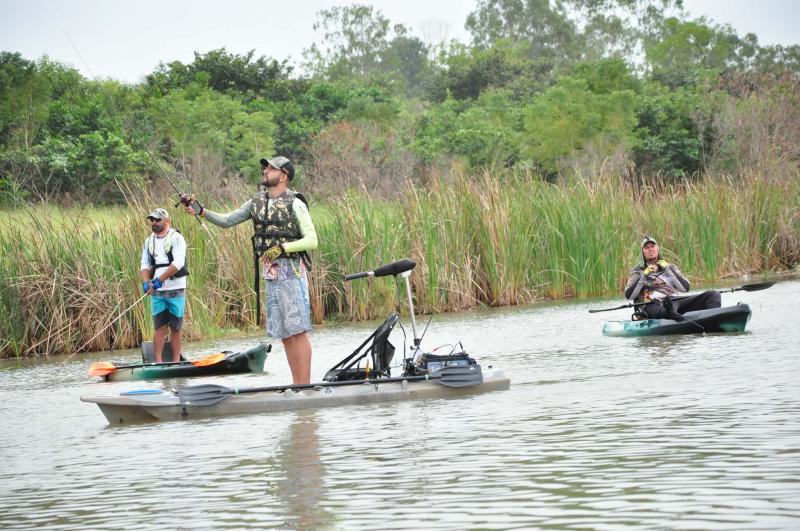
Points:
(158, 213)
(648, 239)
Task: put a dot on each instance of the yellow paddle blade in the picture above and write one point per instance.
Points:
(101, 368)
(211, 359)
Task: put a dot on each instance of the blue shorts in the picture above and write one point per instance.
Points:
(168, 308)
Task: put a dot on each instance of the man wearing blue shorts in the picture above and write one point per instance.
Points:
(164, 279)
(284, 233)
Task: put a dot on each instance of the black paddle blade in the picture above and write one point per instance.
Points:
(757, 287)
(203, 395)
(461, 375)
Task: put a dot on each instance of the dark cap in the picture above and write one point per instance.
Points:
(282, 163)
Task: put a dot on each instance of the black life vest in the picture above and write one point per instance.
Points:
(151, 249)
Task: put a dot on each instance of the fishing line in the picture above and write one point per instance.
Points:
(104, 328)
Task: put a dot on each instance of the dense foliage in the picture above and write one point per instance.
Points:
(557, 88)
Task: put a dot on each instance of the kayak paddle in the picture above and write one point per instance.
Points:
(102, 368)
(747, 287)
(210, 394)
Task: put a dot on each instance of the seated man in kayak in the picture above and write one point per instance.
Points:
(655, 281)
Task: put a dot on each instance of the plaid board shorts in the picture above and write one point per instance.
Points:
(168, 308)
(288, 307)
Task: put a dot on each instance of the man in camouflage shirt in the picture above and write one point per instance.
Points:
(283, 235)
(655, 281)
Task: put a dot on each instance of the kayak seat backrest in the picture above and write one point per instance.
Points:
(149, 355)
(382, 349)
(377, 347)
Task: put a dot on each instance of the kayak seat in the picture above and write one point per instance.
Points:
(149, 355)
(379, 350)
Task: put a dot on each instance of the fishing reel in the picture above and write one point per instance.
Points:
(190, 201)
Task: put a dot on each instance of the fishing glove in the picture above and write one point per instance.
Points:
(157, 283)
(663, 264)
(145, 286)
(273, 252)
(649, 270)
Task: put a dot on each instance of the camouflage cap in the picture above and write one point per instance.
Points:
(158, 213)
(282, 163)
(646, 240)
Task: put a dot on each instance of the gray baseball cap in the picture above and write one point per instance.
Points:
(282, 163)
(158, 213)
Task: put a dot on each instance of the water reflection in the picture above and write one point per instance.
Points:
(300, 473)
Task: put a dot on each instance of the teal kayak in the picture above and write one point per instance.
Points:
(250, 360)
(727, 319)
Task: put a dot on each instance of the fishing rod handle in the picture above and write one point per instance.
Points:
(393, 269)
(353, 276)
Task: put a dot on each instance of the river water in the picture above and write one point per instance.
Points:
(684, 432)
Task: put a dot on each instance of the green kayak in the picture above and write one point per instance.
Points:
(727, 319)
(251, 360)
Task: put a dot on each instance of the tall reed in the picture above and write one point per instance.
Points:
(478, 240)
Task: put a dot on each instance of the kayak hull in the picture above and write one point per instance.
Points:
(165, 406)
(727, 319)
(251, 360)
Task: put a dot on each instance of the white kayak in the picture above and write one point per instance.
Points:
(217, 401)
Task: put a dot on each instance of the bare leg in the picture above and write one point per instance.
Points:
(175, 338)
(158, 342)
(298, 354)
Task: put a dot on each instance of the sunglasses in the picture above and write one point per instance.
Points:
(270, 166)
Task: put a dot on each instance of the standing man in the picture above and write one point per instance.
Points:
(284, 233)
(655, 281)
(164, 279)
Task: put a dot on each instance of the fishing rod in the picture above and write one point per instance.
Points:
(104, 328)
(186, 199)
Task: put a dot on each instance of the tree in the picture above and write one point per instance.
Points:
(227, 73)
(544, 27)
(569, 116)
(360, 45)
(683, 50)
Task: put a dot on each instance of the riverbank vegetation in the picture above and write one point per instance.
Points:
(524, 164)
(478, 240)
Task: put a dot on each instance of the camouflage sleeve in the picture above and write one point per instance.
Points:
(634, 285)
(682, 281)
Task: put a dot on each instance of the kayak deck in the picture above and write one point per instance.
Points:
(149, 406)
(726, 319)
(251, 360)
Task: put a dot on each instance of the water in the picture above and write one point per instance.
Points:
(685, 432)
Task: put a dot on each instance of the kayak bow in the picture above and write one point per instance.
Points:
(251, 360)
